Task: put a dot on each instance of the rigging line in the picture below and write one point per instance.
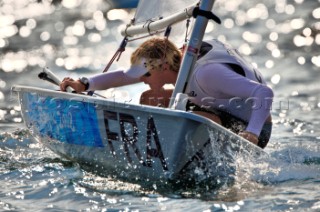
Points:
(166, 35)
(168, 31)
(187, 28)
(148, 22)
(128, 25)
(117, 54)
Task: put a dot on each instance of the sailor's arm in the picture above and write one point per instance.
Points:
(99, 82)
(260, 114)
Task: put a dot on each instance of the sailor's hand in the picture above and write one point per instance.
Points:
(250, 137)
(75, 84)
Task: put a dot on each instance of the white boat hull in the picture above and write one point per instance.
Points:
(130, 141)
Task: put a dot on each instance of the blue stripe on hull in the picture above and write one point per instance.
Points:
(73, 122)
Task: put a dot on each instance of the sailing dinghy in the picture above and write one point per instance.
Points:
(138, 141)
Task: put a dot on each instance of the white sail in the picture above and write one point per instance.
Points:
(157, 9)
(154, 16)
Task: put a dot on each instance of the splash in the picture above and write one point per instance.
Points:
(291, 162)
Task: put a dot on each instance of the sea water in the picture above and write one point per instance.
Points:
(78, 38)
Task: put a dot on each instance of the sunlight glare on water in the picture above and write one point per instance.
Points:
(71, 3)
(117, 14)
(73, 33)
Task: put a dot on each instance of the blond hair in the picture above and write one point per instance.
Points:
(160, 49)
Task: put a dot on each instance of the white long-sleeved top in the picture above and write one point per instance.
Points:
(214, 85)
(110, 80)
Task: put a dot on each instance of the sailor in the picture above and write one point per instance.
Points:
(223, 85)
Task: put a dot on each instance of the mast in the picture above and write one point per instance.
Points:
(191, 51)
